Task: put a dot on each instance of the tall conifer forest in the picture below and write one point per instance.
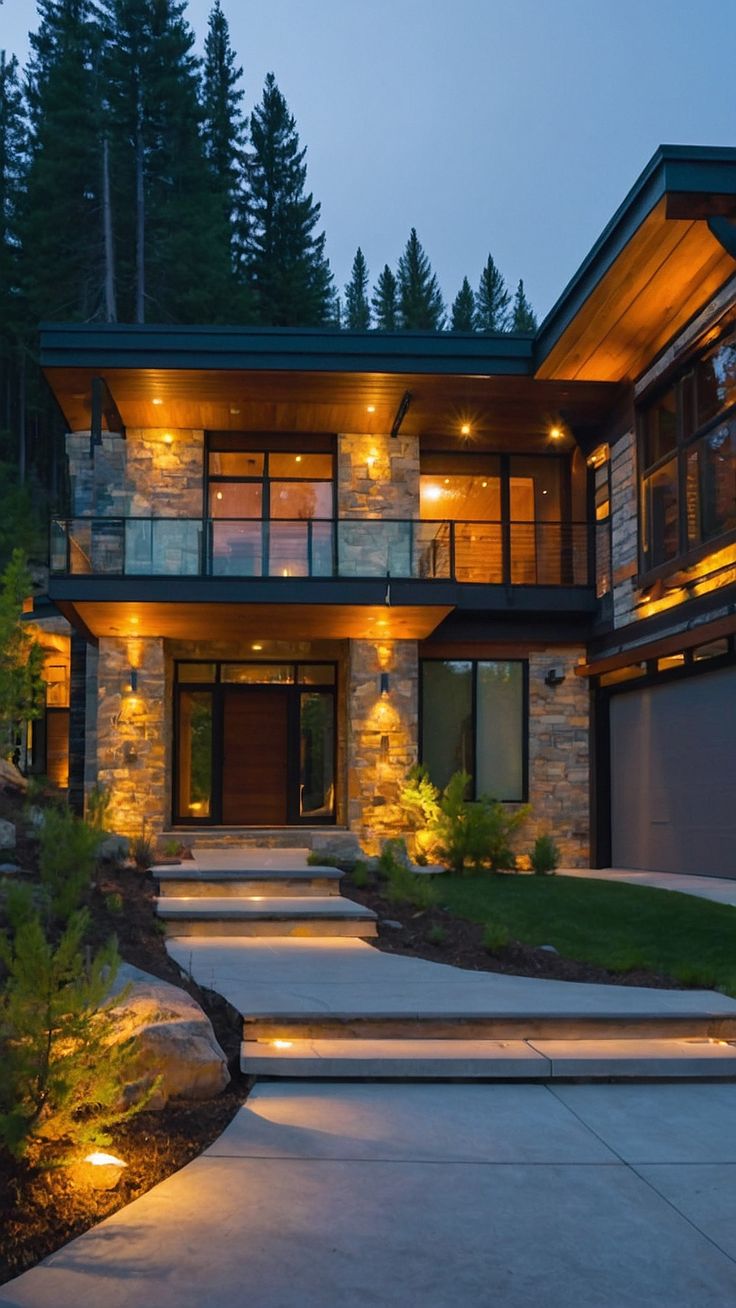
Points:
(135, 186)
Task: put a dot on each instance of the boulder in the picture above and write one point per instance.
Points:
(11, 779)
(7, 834)
(113, 849)
(174, 1036)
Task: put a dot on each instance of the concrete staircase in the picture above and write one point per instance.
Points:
(257, 893)
(249, 892)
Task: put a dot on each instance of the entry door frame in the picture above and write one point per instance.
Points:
(218, 689)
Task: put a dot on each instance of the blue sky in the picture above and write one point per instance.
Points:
(509, 126)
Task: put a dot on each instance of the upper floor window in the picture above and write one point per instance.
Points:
(687, 452)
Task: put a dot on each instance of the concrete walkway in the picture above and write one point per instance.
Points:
(720, 890)
(442, 1196)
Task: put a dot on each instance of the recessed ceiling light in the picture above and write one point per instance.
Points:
(447, 481)
(256, 647)
(465, 429)
(233, 410)
(484, 484)
(157, 400)
(298, 458)
(555, 433)
(370, 408)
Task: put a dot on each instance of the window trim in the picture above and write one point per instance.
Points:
(525, 716)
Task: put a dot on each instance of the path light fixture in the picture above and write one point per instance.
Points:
(99, 1170)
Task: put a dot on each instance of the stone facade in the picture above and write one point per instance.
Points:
(382, 735)
(559, 755)
(378, 476)
(624, 528)
(157, 473)
(133, 734)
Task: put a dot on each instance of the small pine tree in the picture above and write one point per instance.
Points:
(463, 309)
(492, 301)
(523, 317)
(289, 271)
(420, 299)
(62, 1076)
(357, 309)
(21, 658)
(385, 303)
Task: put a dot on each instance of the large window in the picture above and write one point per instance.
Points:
(474, 719)
(270, 511)
(687, 451)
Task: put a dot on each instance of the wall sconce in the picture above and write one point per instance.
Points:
(554, 678)
(133, 680)
(385, 683)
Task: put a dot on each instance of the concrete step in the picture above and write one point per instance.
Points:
(490, 1060)
(322, 837)
(227, 882)
(669, 1024)
(279, 916)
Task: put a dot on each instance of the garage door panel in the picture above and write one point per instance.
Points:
(673, 776)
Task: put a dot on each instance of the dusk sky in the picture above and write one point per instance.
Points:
(509, 126)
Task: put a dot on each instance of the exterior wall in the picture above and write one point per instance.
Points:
(559, 755)
(382, 735)
(378, 477)
(133, 731)
(142, 475)
(624, 527)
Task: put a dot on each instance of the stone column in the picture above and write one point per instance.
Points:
(559, 755)
(382, 742)
(131, 734)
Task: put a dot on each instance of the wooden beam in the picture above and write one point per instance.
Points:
(655, 649)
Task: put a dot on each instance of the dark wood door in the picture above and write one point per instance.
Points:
(255, 757)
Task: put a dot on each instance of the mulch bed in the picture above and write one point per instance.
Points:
(462, 945)
(41, 1212)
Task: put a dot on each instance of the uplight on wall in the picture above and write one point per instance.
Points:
(168, 439)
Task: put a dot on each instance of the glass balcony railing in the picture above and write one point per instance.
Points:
(485, 553)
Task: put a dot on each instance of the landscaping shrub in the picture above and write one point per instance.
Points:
(98, 804)
(142, 852)
(544, 856)
(402, 885)
(317, 859)
(361, 875)
(67, 857)
(419, 800)
(472, 834)
(436, 934)
(61, 1081)
(495, 937)
(392, 859)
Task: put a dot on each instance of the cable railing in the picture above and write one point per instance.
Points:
(517, 553)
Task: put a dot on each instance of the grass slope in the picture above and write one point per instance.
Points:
(617, 926)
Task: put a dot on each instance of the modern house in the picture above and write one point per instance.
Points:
(296, 561)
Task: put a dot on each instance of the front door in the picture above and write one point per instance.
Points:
(255, 743)
(255, 756)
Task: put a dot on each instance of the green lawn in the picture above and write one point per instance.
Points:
(618, 926)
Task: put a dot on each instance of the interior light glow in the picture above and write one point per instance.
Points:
(484, 484)
(282, 1044)
(447, 481)
(218, 496)
(432, 492)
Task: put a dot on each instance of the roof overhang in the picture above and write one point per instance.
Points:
(669, 247)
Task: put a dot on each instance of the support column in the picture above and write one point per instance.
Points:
(77, 721)
(382, 735)
(131, 733)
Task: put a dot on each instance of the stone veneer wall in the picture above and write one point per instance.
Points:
(382, 738)
(559, 755)
(377, 477)
(133, 731)
(624, 528)
(139, 476)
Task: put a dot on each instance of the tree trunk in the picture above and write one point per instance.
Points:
(111, 314)
(22, 452)
(140, 226)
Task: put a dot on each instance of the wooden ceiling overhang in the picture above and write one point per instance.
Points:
(255, 622)
(667, 250)
(279, 380)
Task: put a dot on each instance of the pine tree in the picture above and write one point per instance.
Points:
(12, 169)
(60, 228)
(492, 300)
(171, 236)
(463, 308)
(420, 299)
(224, 130)
(21, 658)
(385, 302)
(523, 317)
(289, 271)
(357, 309)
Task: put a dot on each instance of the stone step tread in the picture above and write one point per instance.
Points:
(190, 871)
(518, 1059)
(304, 907)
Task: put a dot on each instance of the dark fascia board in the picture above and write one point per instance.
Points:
(681, 169)
(132, 346)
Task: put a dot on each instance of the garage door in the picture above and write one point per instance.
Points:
(673, 776)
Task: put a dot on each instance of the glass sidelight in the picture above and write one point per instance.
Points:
(195, 754)
(316, 755)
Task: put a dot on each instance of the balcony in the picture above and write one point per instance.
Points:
(514, 553)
